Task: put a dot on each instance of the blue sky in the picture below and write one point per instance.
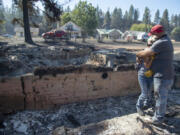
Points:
(173, 6)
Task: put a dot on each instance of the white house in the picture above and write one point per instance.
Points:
(112, 33)
(20, 31)
(133, 33)
(71, 28)
(115, 33)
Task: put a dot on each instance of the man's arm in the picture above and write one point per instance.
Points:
(145, 53)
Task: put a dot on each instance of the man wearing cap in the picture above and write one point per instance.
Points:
(162, 68)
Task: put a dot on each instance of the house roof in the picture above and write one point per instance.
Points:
(74, 26)
(107, 32)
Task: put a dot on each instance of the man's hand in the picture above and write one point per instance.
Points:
(145, 53)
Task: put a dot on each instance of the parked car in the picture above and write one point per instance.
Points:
(55, 35)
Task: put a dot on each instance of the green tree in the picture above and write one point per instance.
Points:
(107, 20)
(67, 9)
(176, 33)
(125, 21)
(9, 15)
(136, 16)
(140, 27)
(84, 15)
(131, 16)
(179, 20)
(174, 20)
(165, 20)
(157, 17)
(116, 19)
(120, 14)
(2, 18)
(66, 17)
(99, 17)
(147, 18)
(27, 7)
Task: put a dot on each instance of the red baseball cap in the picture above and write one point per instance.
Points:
(156, 29)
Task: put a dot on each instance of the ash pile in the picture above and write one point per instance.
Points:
(111, 57)
(71, 116)
(79, 117)
(21, 59)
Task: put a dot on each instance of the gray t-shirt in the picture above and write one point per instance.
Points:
(162, 65)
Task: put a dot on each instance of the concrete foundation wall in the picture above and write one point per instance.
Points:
(49, 91)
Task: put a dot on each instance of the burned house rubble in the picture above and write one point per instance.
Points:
(19, 59)
(106, 116)
(112, 58)
(75, 90)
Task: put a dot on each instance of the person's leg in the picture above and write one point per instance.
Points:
(161, 88)
(144, 94)
(149, 92)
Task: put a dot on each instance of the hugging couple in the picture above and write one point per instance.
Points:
(155, 69)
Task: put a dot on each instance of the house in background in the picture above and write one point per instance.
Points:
(133, 33)
(112, 34)
(115, 34)
(71, 28)
(19, 31)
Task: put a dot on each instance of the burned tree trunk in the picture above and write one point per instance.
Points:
(27, 33)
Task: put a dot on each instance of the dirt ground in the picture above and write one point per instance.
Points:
(109, 44)
(106, 44)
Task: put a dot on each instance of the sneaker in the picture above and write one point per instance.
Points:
(140, 112)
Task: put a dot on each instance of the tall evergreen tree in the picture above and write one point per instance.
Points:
(125, 21)
(2, 18)
(165, 20)
(99, 17)
(136, 16)
(107, 20)
(157, 17)
(28, 5)
(27, 33)
(179, 20)
(67, 9)
(131, 16)
(116, 19)
(174, 21)
(120, 15)
(9, 15)
(147, 18)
